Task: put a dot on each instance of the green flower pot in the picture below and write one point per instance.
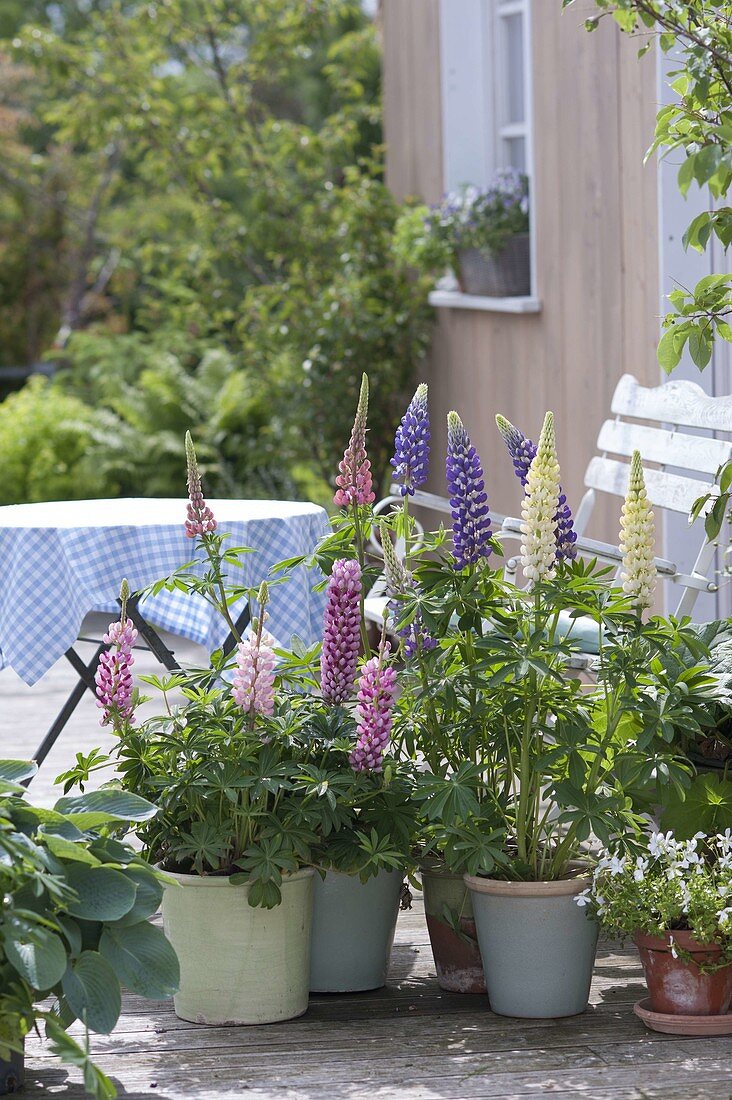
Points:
(353, 931)
(451, 925)
(239, 964)
(538, 946)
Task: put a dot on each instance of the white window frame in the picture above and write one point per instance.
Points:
(472, 86)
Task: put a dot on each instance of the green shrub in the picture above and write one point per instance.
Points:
(45, 439)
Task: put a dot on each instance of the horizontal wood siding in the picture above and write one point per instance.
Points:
(597, 249)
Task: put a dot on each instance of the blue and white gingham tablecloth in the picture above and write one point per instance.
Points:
(58, 561)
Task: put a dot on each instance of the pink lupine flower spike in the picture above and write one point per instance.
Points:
(114, 671)
(376, 695)
(254, 677)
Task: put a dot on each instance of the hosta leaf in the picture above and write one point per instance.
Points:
(103, 894)
(42, 962)
(142, 959)
(99, 807)
(92, 991)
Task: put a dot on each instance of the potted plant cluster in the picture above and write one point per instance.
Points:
(282, 818)
(296, 787)
(674, 897)
(482, 234)
(74, 923)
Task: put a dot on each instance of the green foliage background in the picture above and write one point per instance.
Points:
(194, 223)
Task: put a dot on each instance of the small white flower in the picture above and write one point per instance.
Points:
(641, 866)
(637, 539)
(617, 865)
(539, 508)
(672, 945)
(583, 898)
(724, 918)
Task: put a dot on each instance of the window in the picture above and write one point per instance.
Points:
(486, 91)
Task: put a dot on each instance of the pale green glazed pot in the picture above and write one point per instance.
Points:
(238, 964)
(353, 931)
(538, 946)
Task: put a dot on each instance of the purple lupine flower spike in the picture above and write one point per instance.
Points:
(523, 451)
(471, 521)
(114, 672)
(412, 445)
(341, 632)
(200, 519)
(376, 694)
(354, 479)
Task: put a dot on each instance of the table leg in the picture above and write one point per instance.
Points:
(85, 681)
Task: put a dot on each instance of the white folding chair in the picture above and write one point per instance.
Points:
(664, 447)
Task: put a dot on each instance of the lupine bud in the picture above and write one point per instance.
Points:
(637, 539)
(376, 694)
(471, 522)
(200, 519)
(114, 671)
(341, 632)
(412, 445)
(523, 452)
(354, 479)
(539, 508)
(400, 581)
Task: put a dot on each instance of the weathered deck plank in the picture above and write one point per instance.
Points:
(408, 1041)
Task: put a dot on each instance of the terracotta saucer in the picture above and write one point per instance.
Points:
(671, 1024)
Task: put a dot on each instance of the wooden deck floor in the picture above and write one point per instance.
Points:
(408, 1041)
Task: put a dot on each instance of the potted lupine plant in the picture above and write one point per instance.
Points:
(674, 897)
(73, 924)
(362, 861)
(525, 765)
(235, 829)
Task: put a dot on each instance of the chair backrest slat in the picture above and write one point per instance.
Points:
(682, 403)
(669, 448)
(665, 490)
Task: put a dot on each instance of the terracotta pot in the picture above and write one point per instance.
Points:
(678, 987)
(457, 957)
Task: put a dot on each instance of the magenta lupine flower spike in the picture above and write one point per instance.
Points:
(200, 519)
(471, 521)
(253, 683)
(354, 480)
(523, 453)
(412, 445)
(376, 694)
(114, 671)
(400, 581)
(341, 632)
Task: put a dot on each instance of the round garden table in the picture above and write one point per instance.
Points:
(61, 560)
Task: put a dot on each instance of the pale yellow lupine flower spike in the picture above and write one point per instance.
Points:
(638, 539)
(539, 507)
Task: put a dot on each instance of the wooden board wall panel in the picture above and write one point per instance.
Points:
(412, 98)
(597, 242)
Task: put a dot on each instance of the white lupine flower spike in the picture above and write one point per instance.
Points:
(638, 539)
(539, 507)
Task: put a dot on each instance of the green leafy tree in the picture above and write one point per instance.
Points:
(224, 192)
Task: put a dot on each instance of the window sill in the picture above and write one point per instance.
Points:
(454, 299)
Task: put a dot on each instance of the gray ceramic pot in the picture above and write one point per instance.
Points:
(496, 275)
(538, 946)
(353, 931)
